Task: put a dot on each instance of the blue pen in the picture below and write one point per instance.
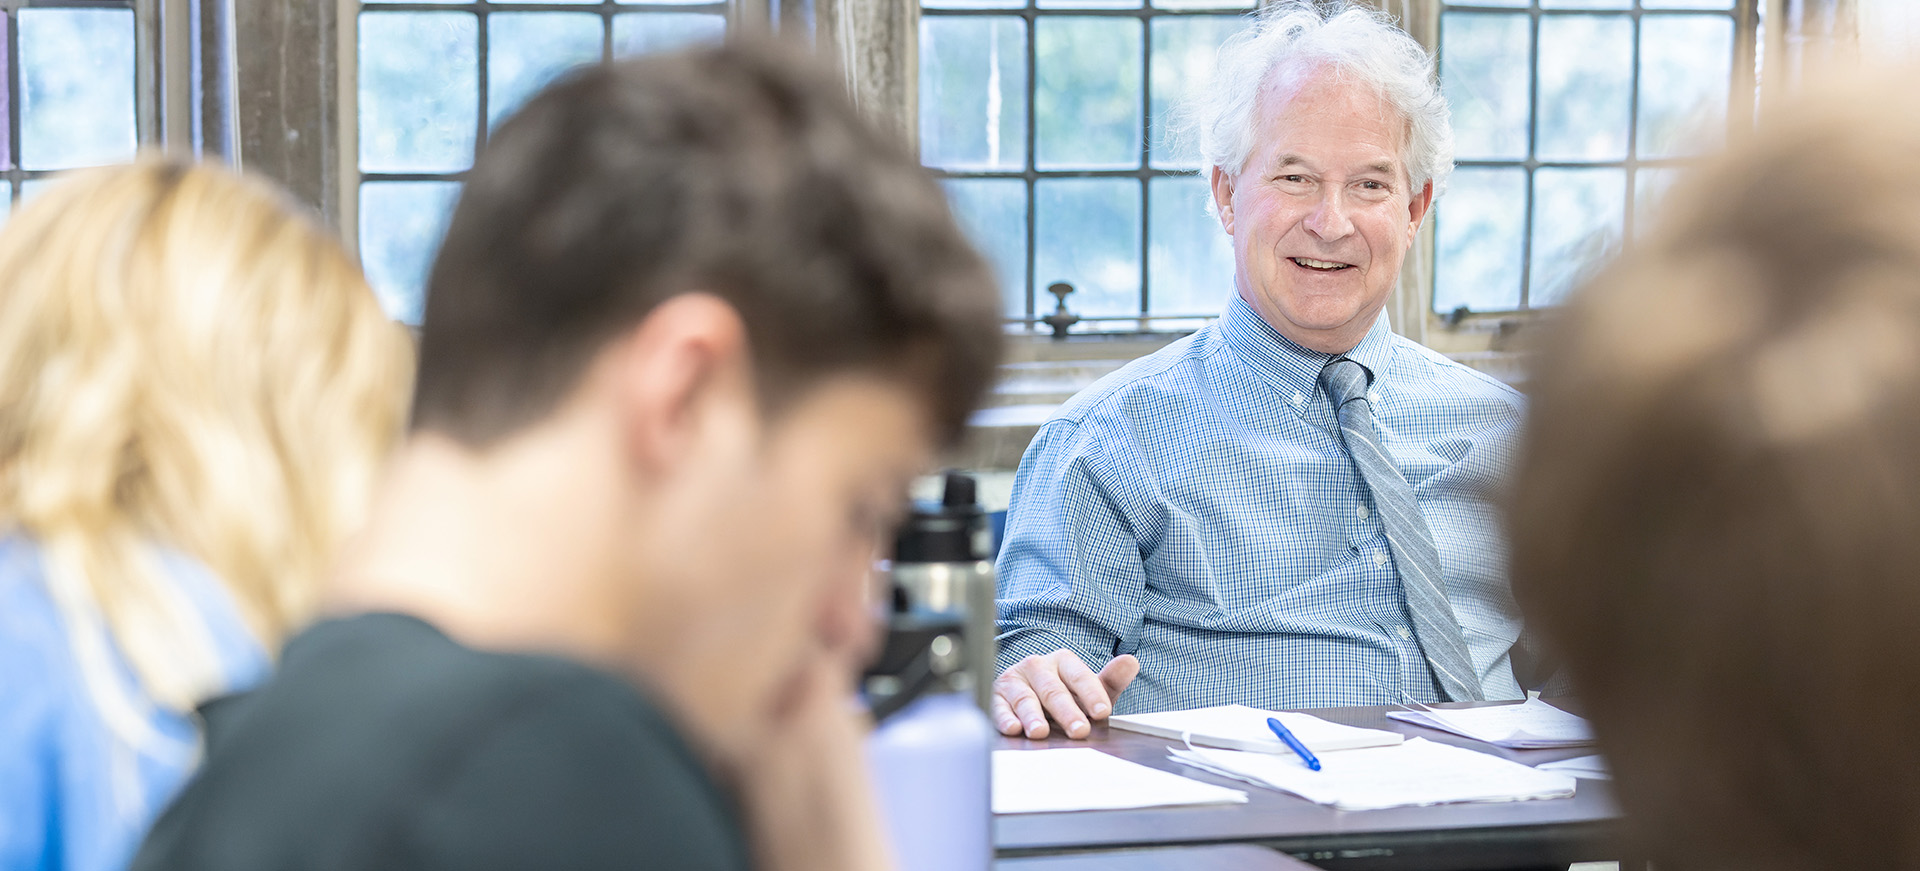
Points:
(1312, 761)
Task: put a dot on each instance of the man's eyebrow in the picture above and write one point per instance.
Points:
(1382, 167)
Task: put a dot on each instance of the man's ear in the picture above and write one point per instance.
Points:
(1223, 198)
(1417, 210)
(675, 374)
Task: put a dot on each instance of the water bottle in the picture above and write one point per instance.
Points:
(931, 752)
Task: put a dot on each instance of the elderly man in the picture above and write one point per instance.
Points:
(1292, 507)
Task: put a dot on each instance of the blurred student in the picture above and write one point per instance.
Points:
(694, 327)
(196, 388)
(1718, 513)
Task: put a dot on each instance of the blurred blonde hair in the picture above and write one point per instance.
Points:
(186, 363)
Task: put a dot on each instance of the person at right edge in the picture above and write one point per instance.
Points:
(693, 329)
(1716, 517)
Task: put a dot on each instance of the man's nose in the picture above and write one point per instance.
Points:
(1329, 220)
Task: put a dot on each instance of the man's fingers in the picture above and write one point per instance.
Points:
(1118, 673)
(1012, 688)
(1087, 689)
(1003, 718)
(1058, 700)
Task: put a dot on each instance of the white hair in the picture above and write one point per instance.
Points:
(1294, 36)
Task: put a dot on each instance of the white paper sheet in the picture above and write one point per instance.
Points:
(1084, 779)
(1238, 727)
(1534, 725)
(1585, 767)
(1419, 772)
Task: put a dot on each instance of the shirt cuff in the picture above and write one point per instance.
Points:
(1018, 644)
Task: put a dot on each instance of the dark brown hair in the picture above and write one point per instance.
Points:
(1717, 515)
(742, 171)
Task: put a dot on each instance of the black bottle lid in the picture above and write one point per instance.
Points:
(942, 532)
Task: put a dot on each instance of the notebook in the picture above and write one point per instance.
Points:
(1418, 772)
(1238, 727)
(1535, 725)
(1084, 779)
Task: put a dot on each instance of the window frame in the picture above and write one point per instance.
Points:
(1033, 319)
(1480, 334)
(148, 64)
(352, 213)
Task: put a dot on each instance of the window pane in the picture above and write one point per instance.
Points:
(526, 50)
(76, 83)
(1688, 4)
(973, 4)
(670, 2)
(400, 227)
(1586, 4)
(1577, 214)
(1088, 4)
(419, 91)
(1087, 233)
(34, 187)
(1521, 3)
(1478, 240)
(1183, 50)
(1190, 264)
(1087, 98)
(1586, 79)
(994, 213)
(973, 92)
(642, 32)
(1483, 72)
(6, 100)
(1686, 69)
(1202, 4)
(1650, 185)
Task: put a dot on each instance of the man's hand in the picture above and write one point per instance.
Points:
(1058, 686)
(806, 793)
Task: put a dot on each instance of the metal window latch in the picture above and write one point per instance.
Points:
(1061, 319)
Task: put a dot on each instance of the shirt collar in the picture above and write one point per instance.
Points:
(1289, 367)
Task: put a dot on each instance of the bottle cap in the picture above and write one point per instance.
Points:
(942, 532)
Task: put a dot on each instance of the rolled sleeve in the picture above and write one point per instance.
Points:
(1070, 569)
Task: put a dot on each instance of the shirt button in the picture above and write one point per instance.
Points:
(1360, 511)
(1297, 398)
(1379, 559)
(1405, 633)
(1374, 397)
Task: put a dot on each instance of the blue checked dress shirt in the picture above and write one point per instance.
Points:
(1197, 509)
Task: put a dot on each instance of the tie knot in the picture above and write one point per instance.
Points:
(1344, 380)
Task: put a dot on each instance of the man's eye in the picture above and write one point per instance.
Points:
(1373, 186)
(1294, 179)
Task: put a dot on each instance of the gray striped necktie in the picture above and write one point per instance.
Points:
(1414, 554)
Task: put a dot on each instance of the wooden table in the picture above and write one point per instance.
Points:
(1469, 837)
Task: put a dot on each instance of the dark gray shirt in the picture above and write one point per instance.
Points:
(381, 743)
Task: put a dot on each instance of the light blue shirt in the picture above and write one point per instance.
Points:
(1196, 508)
(72, 795)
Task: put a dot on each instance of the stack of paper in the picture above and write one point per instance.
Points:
(1418, 772)
(1535, 725)
(1238, 727)
(1085, 779)
(1584, 767)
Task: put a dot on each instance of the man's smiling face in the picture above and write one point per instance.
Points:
(1323, 212)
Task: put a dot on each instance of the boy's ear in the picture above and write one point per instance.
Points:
(673, 371)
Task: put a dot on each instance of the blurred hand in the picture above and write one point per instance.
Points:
(805, 790)
(1058, 687)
